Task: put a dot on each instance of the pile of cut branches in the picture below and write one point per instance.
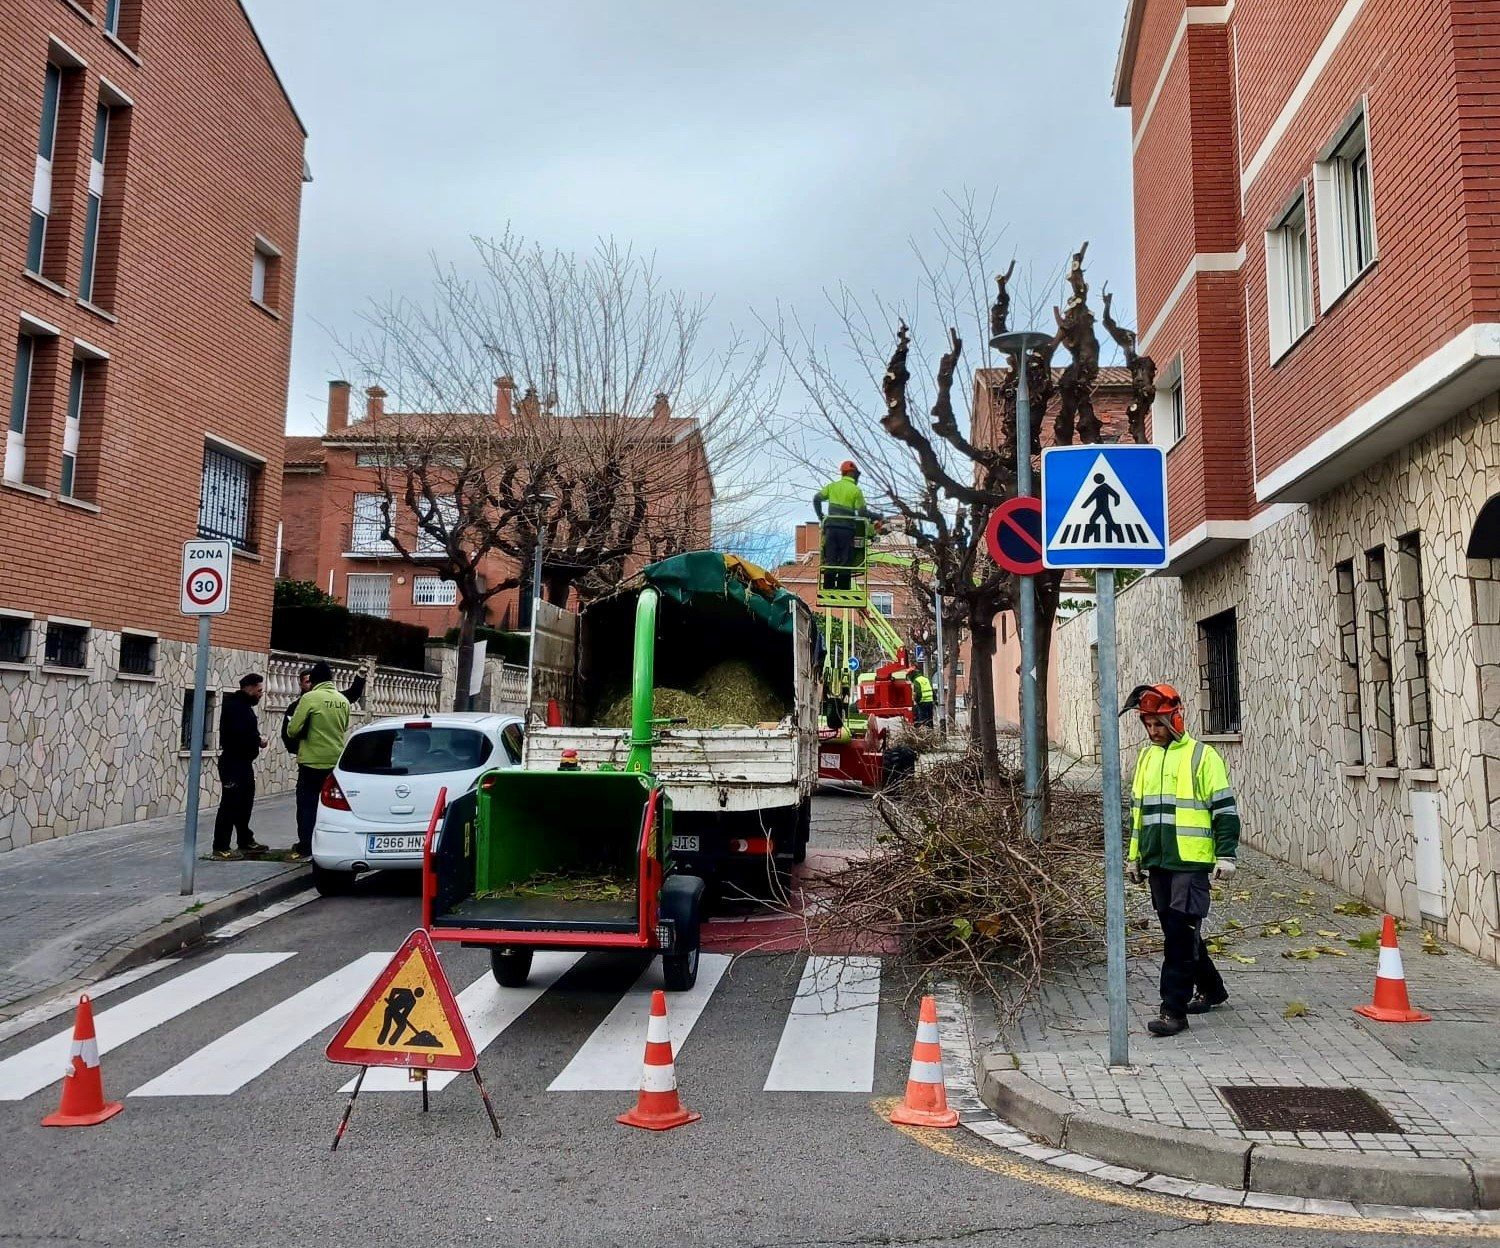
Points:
(960, 887)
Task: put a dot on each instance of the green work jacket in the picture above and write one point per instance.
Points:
(924, 688)
(846, 501)
(319, 725)
(1182, 810)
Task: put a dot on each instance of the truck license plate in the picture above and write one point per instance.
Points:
(685, 844)
(409, 844)
(829, 761)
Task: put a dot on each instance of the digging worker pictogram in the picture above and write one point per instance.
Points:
(399, 1003)
(1184, 831)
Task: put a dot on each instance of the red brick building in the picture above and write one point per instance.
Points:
(1318, 278)
(331, 534)
(151, 169)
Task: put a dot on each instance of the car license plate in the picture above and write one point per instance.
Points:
(410, 844)
(685, 844)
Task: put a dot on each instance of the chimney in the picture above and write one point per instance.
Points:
(338, 406)
(662, 408)
(808, 537)
(505, 397)
(374, 403)
(531, 406)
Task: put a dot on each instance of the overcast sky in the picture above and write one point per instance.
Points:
(763, 151)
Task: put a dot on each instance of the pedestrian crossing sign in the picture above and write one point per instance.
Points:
(1104, 506)
(408, 1017)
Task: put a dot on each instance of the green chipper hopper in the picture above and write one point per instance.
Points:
(568, 859)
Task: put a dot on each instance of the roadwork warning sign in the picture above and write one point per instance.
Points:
(408, 1018)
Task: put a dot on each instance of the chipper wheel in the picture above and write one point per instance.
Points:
(510, 966)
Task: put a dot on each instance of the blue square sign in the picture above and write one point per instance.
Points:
(1104, 506)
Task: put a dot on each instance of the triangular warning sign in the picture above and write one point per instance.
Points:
(1102, 515)
(408, 1018)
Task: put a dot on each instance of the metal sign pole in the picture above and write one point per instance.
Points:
(938, 696)
(1114, 866)
(195, 757)
(1030, 743)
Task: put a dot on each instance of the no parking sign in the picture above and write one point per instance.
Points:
(205, 577)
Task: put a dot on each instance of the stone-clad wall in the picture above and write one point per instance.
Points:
(1074, 663)
(1302, 797)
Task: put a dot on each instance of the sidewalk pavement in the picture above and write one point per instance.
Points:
(1289, 1023)
(78, 906)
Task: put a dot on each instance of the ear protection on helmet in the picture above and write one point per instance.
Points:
(1160, 700)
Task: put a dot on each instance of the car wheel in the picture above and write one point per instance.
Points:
(680, 970)
(510, 967)
(332, 883)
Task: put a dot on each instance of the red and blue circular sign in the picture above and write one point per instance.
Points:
(1014, 536)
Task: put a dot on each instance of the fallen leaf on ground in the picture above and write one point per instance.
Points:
(1365, 940)
(1242, 958)
(1271, 929)
(1294, 1009)
(1234, 925)
(1430, 945)
(1293, 928)
(1352, 907)
(1332, 952)
(1301, 955)
(1328, 934)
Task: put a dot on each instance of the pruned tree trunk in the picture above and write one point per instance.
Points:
(982, 698)
(468, 619)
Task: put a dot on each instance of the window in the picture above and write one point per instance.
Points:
(96, 200)
(1346, 217)
(1383, 730)
(122, 19)
(1347, 616)
(415, 751)
(512, 740)
(369, 595)
(369, 531)
(137, 654)
(15, 639)
(20, 400)
(1179, 412)
(446, 520)
(70, 429)
(884, 603)
(433, 591)
(227, 496)
(1219, 673)
(185, 738)
(1169, 410)
(1289, 278)
(67, 645)
(265, 274)
(41, 184)
(112, 16)
(1414, 638)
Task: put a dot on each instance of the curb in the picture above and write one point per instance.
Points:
(1233, 1166)
(172, 935)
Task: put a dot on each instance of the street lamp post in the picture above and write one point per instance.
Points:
(1020, 343)
(543, 501)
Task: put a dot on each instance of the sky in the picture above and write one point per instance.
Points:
(763, 152)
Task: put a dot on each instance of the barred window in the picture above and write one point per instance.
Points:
(137, 654)
(1347, 615)
(1219, 672)
(433, 591)
(368, 534)
(1414, 638)
(1383, 734)
(226, 498)
(15, 639)
(67, 645)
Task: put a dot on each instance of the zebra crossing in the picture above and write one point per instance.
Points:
(826, 1041)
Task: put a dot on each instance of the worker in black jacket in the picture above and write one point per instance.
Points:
(240, 744)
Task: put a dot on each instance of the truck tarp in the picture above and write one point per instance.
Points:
(705, 577)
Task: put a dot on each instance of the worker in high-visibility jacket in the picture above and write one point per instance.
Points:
(847, 517)
(1184, 831)
(921, 687)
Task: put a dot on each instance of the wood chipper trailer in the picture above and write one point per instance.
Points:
(480, 871)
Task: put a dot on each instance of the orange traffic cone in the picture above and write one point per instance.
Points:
(83, 1102)
(554, 714)
(926, 1103)
(657, 1107)
(1391, 1004)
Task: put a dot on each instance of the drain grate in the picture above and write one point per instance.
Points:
(1308, 1109)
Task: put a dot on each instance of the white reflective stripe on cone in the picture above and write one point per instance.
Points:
(659, 1079)
(1390, 964)
(657, 1031)
(86, 1049)
(927, 1033)
(926, 1072)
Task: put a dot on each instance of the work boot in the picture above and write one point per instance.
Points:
(255, 849)
(1167, 1025)
(225, 855)
(1201, 1004)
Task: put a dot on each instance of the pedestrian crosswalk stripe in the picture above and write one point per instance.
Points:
(611, 1058)
(274, 911)
(68, 1002)
(488, 1010)
(45, 1062)
(251, 1049)
(828, 1042)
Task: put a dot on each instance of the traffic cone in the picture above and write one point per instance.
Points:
(554, 714)
(657, 1107)
(926, 1103)
(83, 1102)
(1391, 1004)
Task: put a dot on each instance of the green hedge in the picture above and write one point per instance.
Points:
(335, 632)
(512, 647)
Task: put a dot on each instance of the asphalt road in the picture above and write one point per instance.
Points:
(251, 1166)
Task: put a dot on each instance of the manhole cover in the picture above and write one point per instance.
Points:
(1307, 1109)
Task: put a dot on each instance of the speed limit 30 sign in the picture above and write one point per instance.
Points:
(205, 577)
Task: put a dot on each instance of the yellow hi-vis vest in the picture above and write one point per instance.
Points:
(1182, 810)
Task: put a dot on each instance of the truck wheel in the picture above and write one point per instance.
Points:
(804, 831)
(510, 967)
(680, 969)
(332, 883)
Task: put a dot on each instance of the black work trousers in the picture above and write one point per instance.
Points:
(838, 553)
(309, 786)
(235, 806)
(1181, 900)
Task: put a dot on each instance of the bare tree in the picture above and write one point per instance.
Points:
(629, 438)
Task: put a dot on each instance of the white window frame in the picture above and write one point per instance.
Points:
(1347, 242)
(366, 523)
(433, 591)
(447, 507)
(367, 581)
(1289, 264)
(20, 400)
(72, 422)
(1169, 410)
(41, 181)
(103, 115)
(260, 269)
(879, 595)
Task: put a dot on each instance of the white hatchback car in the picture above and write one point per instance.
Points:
(375, 807)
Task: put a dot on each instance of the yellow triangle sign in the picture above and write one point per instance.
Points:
(408, 1017)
